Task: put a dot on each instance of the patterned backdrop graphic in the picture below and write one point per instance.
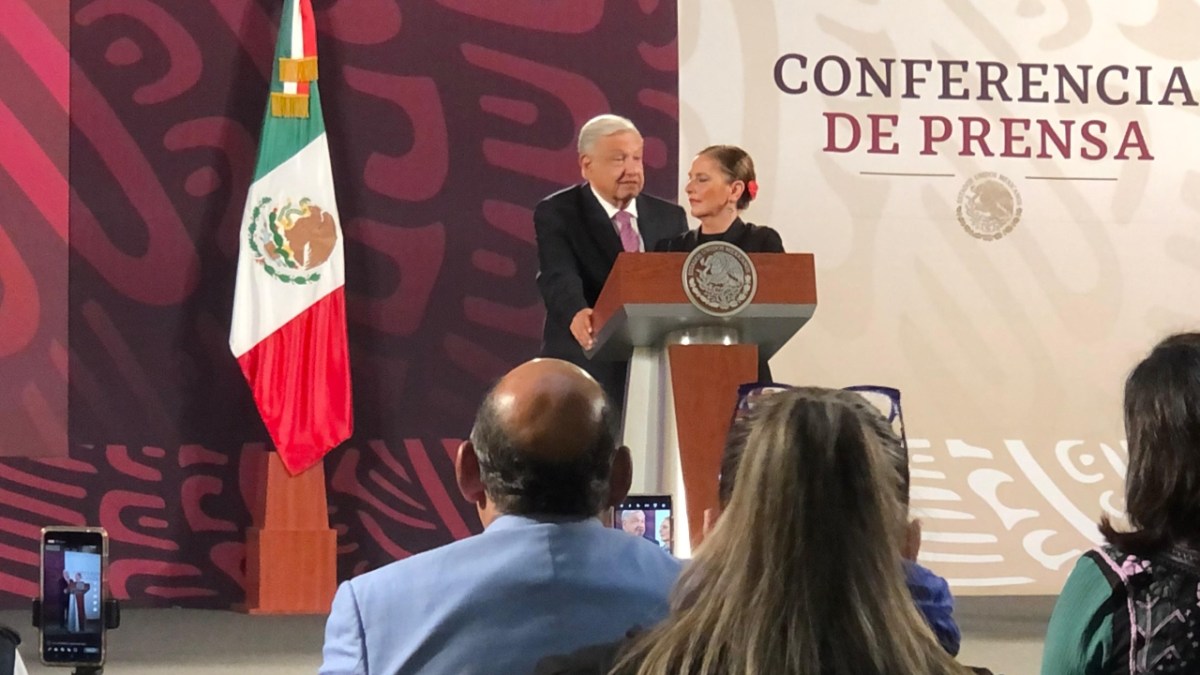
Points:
(34, 99)
(447, 121)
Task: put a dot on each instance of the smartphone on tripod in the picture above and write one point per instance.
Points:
(73, 582)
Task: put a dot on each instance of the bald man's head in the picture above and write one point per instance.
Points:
(544, 441)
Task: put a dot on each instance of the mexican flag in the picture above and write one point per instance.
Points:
(289, 306)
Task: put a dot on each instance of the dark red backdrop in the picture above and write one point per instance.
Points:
(447, 121)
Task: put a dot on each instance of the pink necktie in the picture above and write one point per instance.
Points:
(630, 240)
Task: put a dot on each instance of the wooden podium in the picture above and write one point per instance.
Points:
(686, 366)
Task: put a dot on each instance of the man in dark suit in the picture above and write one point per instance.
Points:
(64, 597)
(580, 232)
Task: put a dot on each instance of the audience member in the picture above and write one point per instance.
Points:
(544, 577)
(10, 658)
(801, 574)
(1132, 605)
(929, 591)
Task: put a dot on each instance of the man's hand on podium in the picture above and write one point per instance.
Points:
(581, 327)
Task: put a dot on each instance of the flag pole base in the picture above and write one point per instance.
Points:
(291, 552)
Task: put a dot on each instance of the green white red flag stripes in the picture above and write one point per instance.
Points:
(288, 331)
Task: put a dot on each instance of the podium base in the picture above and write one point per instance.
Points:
(704, 384)
(290, 571)
(291, 552)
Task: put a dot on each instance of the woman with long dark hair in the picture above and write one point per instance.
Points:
(1132, 605)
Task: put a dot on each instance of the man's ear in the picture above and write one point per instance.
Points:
(466, 472)
(621, 477)
(607, 515)
(584, 163)
(912, 541)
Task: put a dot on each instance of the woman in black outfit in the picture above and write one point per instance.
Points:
(721, 184)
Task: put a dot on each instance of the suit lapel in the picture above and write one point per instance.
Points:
(598, 225)
(645, 224)
(648, 224)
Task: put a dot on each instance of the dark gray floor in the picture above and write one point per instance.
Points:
(1004, 634)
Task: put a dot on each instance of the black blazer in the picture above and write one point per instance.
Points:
(749, 237)
(577, 246)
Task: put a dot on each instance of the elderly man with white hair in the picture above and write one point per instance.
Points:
(634, 522)
(580, 232)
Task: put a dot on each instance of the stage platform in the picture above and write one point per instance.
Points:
(1004, 634)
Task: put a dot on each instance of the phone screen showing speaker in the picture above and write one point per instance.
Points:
(73, 567)
(649, 517)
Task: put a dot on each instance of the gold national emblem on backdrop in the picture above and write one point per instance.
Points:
(719, 278)
(989, 206)
(291, 240)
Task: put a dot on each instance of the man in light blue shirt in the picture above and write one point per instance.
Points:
(545, 577)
